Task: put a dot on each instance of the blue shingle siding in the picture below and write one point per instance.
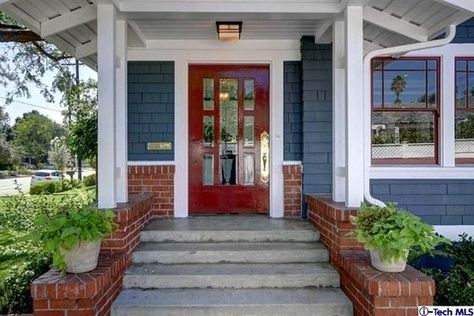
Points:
(465, 32)
(150, 108)
(293, 136)
(316, 72)
(439, 202)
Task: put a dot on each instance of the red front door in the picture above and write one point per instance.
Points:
(229, 152)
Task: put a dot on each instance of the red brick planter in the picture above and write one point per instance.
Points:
(372, 292)
(92, 293)
(292, 177)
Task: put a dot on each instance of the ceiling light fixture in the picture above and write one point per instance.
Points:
(229, 31)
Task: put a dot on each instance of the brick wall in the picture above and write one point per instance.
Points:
(438, 202)
(292, 175)
(158, 180)
(150, 108)
(373, 293)
(293, 134)
(92, 293)
(316, 69)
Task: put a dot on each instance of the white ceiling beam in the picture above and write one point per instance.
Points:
(323, 33)
(136, 38)
(465, 5)
(371, 46)
(86, 49)
(69, 20)
(299, 6)
(391, 23)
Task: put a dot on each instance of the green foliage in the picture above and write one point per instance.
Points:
(33, 133)
(59, 154)
(456, 287)
(22, 260)
(56, 186)
(465, 129)
(393, 231)
(68, 229)
(90, 180)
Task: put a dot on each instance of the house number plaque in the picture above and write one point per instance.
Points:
(159, 146)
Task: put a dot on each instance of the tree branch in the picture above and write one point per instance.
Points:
(49, 55)
(19, 36)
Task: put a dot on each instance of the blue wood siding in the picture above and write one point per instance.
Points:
(150, 108)
(465, 32)
(439, 202)
(293, 134)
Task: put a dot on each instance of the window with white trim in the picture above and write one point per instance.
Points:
(464, 118)
(405, 110)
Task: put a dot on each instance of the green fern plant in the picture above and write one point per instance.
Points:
(393, 232)
(69, 228)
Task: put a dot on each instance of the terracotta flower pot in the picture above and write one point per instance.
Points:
(82, 257)
(379, 264)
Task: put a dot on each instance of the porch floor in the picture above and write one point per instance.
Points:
(231, 265)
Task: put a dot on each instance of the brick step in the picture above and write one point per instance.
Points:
(231, 275)
(235, 302)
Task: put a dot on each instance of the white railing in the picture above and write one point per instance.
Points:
(418, 150)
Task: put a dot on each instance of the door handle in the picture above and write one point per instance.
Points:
(264, 156)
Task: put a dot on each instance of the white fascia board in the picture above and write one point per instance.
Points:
(332, 7)
(86, 49)
(391, 23)
(69, 20)
(465, 5)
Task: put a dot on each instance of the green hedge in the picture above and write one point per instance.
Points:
(22, 260)
(90, 180)
(56, 186)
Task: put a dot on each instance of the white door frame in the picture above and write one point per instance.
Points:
(185, 53)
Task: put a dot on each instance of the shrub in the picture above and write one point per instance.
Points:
(22, 260)
(56, 186)
(4, 174)
(90, 180)
(456, 285)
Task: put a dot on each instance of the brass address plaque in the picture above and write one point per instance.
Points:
(159, 146)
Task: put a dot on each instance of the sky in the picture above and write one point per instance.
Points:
(37, 102)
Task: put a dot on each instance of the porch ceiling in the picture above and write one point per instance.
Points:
(71, 24)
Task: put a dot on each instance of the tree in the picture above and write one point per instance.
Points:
(80, 100)
(398, 86)
(8, 154)
(33, 134)
(25, 59)
(59, 154)
(465, 128)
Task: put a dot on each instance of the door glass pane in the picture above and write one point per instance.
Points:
(208, 94)
(249, 94)
(208, 170)
(228, 112)
(249, 168)
(249, 131)
(208, 131)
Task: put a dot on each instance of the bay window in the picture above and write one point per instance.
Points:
(405, 110)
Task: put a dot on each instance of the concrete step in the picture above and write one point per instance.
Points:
(235, 302)
(267, 252)
(231, 275)
(229, 228)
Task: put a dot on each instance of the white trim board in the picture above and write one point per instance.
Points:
(421, 172)
(185, 53)
(452, 232)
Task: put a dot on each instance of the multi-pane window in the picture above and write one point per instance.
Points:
(405, 110)
(464, 118)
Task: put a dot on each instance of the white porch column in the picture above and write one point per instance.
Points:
(354, 49)
(338, 114)
(121, 135)
(448, 112)
(106, 158)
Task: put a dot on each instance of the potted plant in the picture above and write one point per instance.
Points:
(74, 237)
(389, 233)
